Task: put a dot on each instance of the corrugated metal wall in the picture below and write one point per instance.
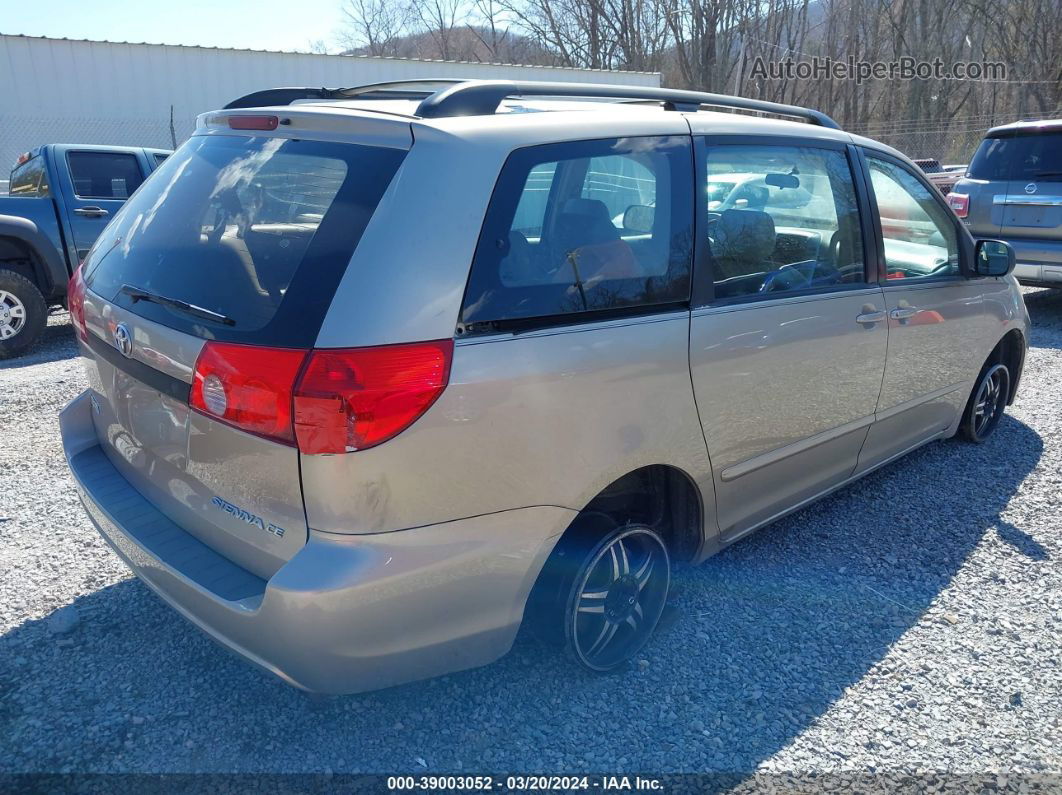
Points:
(89, 92)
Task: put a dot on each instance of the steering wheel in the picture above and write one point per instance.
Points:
(943, 266)
(785, 278)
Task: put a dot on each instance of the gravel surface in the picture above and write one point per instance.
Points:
(909, 622)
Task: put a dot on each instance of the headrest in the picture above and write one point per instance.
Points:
(746, 235)
(585, 222)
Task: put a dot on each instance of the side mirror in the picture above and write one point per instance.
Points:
(639, 218)
(993, 258)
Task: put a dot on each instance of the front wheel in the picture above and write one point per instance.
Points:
(987, 403)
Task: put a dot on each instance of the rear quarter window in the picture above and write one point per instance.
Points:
(583, 227)
(259, 230)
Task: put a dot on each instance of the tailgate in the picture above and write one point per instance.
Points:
(238, 493)
(1032, 209)
(230, 252)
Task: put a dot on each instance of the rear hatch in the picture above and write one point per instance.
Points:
(230, 253)
(1032, 209)
(1014, 184)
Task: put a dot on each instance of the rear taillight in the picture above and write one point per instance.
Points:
(75, 302)
(247, 387)
(356, 398)
(344, 400)
(960, 203)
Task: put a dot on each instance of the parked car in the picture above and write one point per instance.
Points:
(1013, 191)
(358, 423)
(60, 199)
(943, 178)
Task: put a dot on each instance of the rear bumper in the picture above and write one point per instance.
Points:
(346, 613)
(1039, 262)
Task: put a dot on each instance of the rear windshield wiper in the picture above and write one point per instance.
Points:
(191, 309)
(1048, 174)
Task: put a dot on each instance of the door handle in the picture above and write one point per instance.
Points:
(903, 312)
(92, 212)
(869, 318)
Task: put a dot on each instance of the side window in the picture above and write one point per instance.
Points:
(781, 219)
(104, 175)
(159, 159)
(919, 234)
(584, 226)
(29, 179)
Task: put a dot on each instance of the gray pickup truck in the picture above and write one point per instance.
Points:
(61, 198)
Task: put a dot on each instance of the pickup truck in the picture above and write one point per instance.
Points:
(61, 196)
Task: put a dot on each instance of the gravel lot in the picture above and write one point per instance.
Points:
(909, 622)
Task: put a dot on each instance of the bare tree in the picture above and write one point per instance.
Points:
(373, 26)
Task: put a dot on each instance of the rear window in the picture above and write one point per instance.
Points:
(29, 179)
(1029, 156)
(258, 230)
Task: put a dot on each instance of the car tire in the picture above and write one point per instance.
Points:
(23, 314)
(602, 592)
(986, 404)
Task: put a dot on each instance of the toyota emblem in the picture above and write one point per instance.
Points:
(123, 340)
(1030, 188)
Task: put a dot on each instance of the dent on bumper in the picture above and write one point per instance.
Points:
(346, 613)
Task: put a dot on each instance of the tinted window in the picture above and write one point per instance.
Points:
(104, 175)
(919, 234)
(29, 179)
(159, 159)
(257, 229)
(1021, 156)
(585, 226)
(781, 219)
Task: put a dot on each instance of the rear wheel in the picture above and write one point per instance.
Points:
(603, 591)
(23, 313)
(987, 403)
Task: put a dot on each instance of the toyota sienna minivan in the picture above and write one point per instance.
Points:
(377, 374)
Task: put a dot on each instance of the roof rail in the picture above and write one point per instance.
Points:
(442, 97)
(482, 97)
(395, 89)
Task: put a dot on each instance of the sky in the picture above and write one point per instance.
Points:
(252, 24)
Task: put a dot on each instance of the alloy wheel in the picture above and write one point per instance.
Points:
(618, 598)
(990, 400)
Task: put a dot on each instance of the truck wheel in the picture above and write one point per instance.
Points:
(23, 314)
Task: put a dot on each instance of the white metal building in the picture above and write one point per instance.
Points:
(98, 92)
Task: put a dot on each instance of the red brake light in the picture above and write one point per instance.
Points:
(253, 122)
(960, 203)
(356, 398)
(75, 302)
(247, 387)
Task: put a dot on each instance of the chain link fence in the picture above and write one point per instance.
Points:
(951, 142)
(19, 134)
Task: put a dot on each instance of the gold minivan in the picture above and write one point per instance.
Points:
(378, 373)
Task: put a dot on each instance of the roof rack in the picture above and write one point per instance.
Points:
(394, 89)
(454, 97)
(482, 97)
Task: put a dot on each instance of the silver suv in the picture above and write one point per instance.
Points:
(378, 373)
(1013, 190)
